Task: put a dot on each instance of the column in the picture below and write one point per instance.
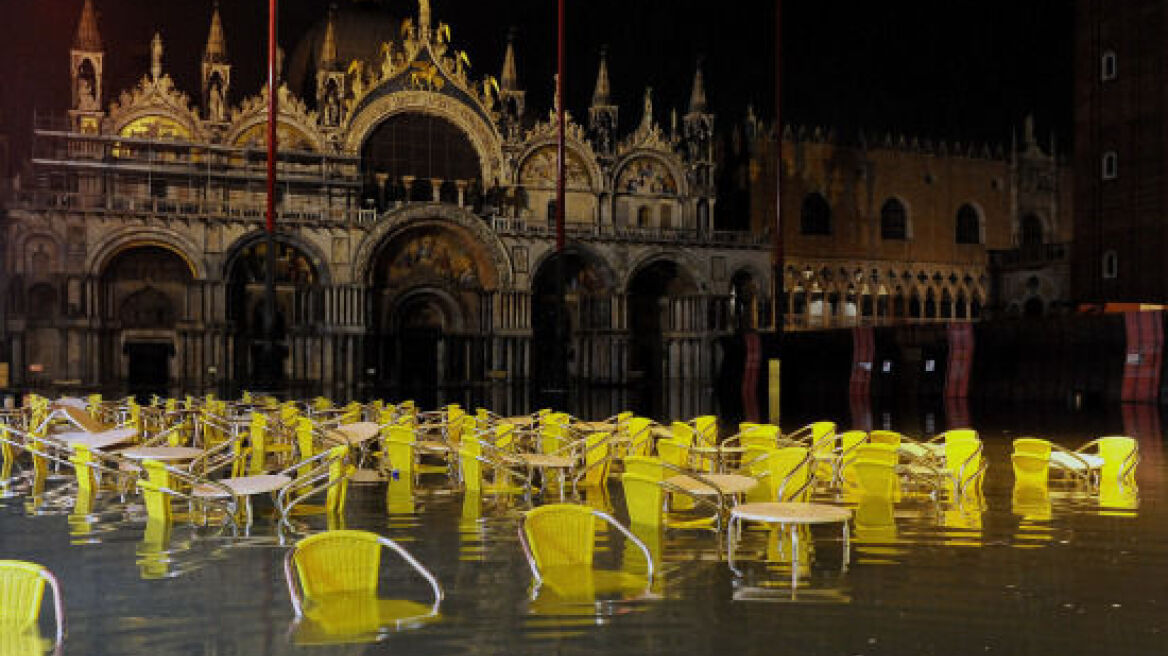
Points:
(436, 189)
(461, 184)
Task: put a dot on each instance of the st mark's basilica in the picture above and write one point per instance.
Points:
(415, 226)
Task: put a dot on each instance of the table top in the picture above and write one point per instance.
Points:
(162, 453)
(541, 460)
(243, 486)
(726, 483)
(81, 419)
(357, 433)
(718, 449)
(102, 440)
(430, 445)
(661, 432)
(791, 512)
(594, 426)
(522, 420)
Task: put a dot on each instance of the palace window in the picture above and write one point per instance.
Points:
(893, 220)
(1110, 165)
(816, 217)
(643, 217)
(1110, 265)
(968, 225)
(1109, 66)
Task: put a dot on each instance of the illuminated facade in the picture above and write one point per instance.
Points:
(889, 230)
(415, 240)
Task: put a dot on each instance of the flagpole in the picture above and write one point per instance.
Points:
(269, 367)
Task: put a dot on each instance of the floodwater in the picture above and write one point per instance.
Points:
(1070, 573)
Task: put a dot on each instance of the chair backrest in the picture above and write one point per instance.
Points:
(340, 469)
(596, 460)
(963, 456)
(876, 476)
(470, 469)
(885, 437)
(338, 562)
(398, 442)
(823, 438)
(645, 466)
(1030, 469)
(683, 433)
(257, 438)
(83, 459)
(22, 589)
(758, 433)
(706, 429)
(551, 438)
(673, 452)
(790, 469)
(886, 453)
(560, 534)
(504, 436)
(639, 433)
(305, 442)
(157, 502)
(1032, 446)
(1120, 455)
(960, 434)
(644, 498)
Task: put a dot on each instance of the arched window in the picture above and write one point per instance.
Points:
(1031, 238)
(816, 218)
(666, 217)
(551, 212)
(1110, 265)
(1109, 66)
(1110, 165)
(893, 220)
(643, 217)
(968, 225)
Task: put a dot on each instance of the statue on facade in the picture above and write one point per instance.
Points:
(86, 95)
(216, 107)
(332, 106)
(156, 56)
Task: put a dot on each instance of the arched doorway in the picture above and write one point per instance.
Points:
(298, 307)
(430, 287)
(657, 298)
(566, 336)
(1031, 238)
(143, 297)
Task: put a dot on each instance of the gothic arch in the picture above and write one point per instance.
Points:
(581, 150)
(292, 114)
(37, 247)
(395, 223)
(670, 164)
(319, 261)
(584, 252)
(135, 236)
(483, 136)
(688, 263)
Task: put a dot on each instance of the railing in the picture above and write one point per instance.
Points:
(1034, 254)
(293, 211)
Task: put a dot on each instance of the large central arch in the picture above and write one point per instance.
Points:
(482, 135)
(431, 274)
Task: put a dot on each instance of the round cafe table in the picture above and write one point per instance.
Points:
(243, 486)
(353, 434)
(789, 515)
(727, 484)
(99, 441)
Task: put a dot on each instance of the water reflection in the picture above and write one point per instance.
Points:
(976, 571)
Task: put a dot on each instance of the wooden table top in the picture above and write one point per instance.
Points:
(523, 420)
(541, 460)
(791, 512)
(99, 441)
(354, 433)
(243, 486)
(162, 453)
(594, 426)
(726, 483)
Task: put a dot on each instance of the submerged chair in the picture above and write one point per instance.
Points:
(22, 590)
(561, 538)
(645, 498)
(332, 583)
(1112, 458)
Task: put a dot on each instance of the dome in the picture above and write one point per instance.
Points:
(361, 28)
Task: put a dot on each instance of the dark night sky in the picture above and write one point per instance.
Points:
(961, 69)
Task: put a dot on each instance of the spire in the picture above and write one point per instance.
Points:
(88, 37)
(328, 50)
(216, 50)
(602, 96)
(510, 77)
(423, 16)
(697, 98)
(156, 56)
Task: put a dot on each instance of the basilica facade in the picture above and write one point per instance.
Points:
(414, 227)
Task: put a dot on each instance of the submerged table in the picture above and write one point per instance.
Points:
(163, 453)
(788, 514)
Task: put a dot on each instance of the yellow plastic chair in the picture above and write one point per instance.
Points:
(327, 472)
(964, 464)
(638, 431)
(791, 473)
(597, 459)
(561, 537)
(645, 499)
(22, 591)
(1031, 461)
(1114, 459)
(885, 437)
(471, 466)
(332, 582)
